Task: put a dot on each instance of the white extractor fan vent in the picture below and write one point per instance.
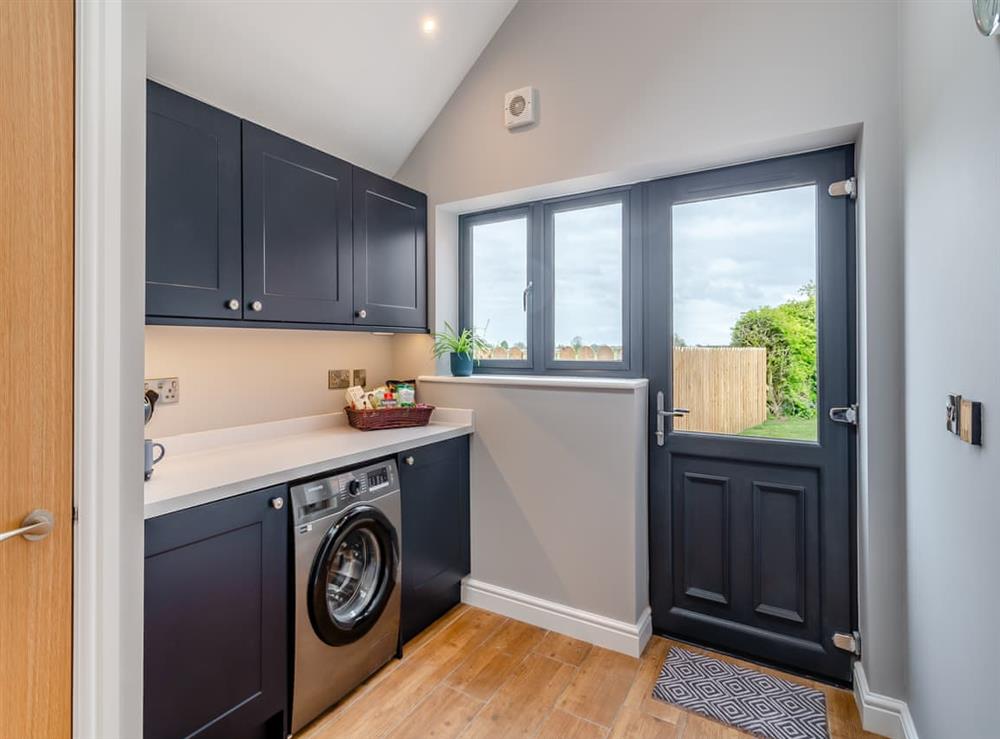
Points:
(520, 107)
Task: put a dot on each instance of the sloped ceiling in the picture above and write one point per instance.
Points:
(361, 80)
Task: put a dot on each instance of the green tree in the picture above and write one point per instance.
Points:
(788, 333)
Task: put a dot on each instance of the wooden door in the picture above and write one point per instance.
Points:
(194, 240)
(434, 481)
(749, 310)
(36, 363)
(296, 231)
(390, 253)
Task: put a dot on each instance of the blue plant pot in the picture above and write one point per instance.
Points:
(461, 364)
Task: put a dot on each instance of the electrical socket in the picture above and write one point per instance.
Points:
(339, 379)
(168, 388)
(359, 377)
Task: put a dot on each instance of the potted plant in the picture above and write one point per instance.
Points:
(462, 346)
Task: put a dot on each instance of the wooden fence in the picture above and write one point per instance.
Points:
(725, 388)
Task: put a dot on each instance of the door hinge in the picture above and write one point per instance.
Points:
(842, 188)
(76, 514)
(848, 642)
(845, 414)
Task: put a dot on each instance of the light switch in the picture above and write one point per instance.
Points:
(339, 379)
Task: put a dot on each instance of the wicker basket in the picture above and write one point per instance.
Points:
(389, 418)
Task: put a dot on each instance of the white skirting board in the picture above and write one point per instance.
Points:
(619, 636)
(881, 714)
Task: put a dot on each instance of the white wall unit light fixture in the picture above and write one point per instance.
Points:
(520, 107)
(987, 13)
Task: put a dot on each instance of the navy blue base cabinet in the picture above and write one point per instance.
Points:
(435, 488)
(216, 652)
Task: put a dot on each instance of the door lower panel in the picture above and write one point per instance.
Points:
(745, 559)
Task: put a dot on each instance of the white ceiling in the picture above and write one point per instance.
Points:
(360, 80)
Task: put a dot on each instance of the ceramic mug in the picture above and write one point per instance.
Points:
(152, 446)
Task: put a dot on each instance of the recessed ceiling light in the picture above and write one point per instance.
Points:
(429, 25)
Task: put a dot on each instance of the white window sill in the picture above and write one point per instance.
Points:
(545, 381)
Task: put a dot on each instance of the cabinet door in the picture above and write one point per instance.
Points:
(296, 231)
(215, 608)
(434, 482)
(194, 261)
(390, 253)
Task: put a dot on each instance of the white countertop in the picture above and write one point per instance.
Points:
(210, 465)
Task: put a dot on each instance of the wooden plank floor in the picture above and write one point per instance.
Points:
(476, 674)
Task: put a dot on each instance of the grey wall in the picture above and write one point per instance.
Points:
(558, 496)
(632, 90)
(951, 93)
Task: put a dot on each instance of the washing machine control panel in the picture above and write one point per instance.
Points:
(324, 497)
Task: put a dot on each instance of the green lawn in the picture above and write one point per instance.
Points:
(797, 429)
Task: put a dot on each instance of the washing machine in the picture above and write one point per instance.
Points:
(346, 541)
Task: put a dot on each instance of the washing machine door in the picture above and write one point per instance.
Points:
(353, 576)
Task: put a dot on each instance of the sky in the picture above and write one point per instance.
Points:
(587, 253)
(499, 276)
(730, 255)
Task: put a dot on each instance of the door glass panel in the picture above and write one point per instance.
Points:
(587, 266)
(353, 576)
(499, 278)
(744, 314)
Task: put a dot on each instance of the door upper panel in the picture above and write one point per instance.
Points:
(193, 240)
(296, 231)
(390, 253)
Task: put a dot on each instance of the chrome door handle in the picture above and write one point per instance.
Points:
(673, 412)
(524, 296)
(662, 413)
(35, 526)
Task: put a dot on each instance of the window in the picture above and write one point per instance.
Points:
(551, 286)
(498, 251)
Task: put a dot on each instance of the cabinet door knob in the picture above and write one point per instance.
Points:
(277, 503)
(362, 313)
(233, 304)
(256, 306)
(409, 461)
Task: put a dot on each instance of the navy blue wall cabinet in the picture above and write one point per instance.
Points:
(390, 252)
(216, 652)
(194, 248)
(435, 487)
(296, 231)
(246, 227)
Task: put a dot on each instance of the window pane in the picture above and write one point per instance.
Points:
(744, 314)
(499, 276)
(587, 258)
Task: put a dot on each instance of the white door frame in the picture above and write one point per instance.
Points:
(108, 358)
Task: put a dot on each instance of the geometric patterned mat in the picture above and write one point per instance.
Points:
(747, 699)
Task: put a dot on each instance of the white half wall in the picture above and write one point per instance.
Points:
(558, 497)
(631, 91)
(951, 121)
